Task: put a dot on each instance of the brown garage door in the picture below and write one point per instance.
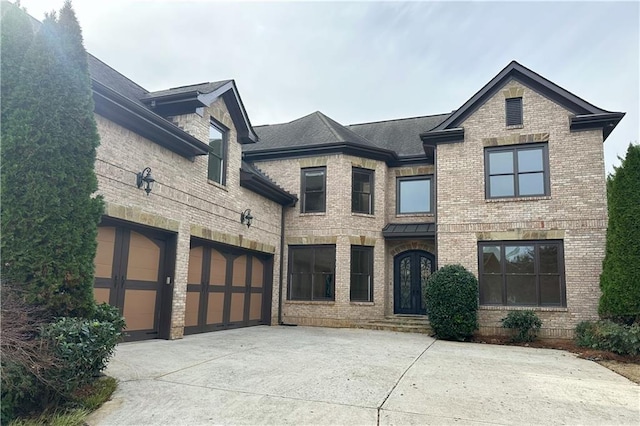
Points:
(130, 275)
(226, 288)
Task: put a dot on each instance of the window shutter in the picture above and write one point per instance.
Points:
(514, 111)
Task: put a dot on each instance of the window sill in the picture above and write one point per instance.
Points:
(515, 126)
(362, 303)
(310, 302)
(523, 308)
(415, 215)
(372, 216)
(313, 214)
(513, 199)
(217, 185)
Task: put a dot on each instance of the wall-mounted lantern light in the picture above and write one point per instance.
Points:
(144, 177)
(246, 218)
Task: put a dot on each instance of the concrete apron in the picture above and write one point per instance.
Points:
(306, 375)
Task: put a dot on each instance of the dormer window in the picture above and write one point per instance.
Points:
(513, 108)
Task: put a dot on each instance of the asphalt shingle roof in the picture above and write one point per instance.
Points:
(111, 78)
(200, 87)
(313, 129)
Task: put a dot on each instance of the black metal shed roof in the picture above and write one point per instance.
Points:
(409, 230)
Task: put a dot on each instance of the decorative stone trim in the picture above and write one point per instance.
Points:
(592, 224)
(516, 139)
(234, 240)
(312, 240)
(414, 171)
(524, 308)
(409, 245)
(362, 240)
(511, 199)
(521, 234)
(364, 163)
(309, 302)
(313, 162)
(513, 92)
(137, 215)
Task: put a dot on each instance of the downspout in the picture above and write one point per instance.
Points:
(280, 283)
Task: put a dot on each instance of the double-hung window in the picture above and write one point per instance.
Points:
(413, 194)
(361, 274)
(362, 191)
(217, 153)
(517, 171)
(312, 272)
(313, 190)
(522, 273)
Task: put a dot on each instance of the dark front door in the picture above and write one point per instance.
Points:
(130, 275)
(411, 270)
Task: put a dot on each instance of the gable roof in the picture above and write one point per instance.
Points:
(313, 134)
(586, 115)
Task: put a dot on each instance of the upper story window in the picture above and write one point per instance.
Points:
(362, 191)
(361, 274)
(413, 194)
(313, 190)
(217, 154)
(312, 272)
(521, 273)
(513, 108)
(517, 171)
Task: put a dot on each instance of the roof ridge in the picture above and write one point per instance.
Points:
(400, 119)
(328, 125)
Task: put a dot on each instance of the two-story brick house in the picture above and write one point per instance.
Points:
(347, 222)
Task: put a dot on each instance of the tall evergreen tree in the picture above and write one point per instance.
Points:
(49, 211)
(620, 279)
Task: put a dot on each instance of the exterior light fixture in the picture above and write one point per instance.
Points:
(245, 217)
(144, 177)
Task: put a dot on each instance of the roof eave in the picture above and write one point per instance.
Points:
(266, 189)
(605, 121)
(438, 137)
(137, 118)
(316, 150)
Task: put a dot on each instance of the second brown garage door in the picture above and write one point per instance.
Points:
(227, 288)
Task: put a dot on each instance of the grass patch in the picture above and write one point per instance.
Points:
(85, 400)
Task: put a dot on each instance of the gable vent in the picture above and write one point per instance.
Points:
(513, 108)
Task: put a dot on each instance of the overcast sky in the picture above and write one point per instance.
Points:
(369, 61)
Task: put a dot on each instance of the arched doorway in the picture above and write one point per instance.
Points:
(411, 271)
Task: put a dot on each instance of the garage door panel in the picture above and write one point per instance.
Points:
(255, 310)
(257, 273)
(105, 252)
(192, 309)
(195, 265)
(144, 258)
(239, 271)
(101, 295)
(237, 307)
(218, 272)
(215, 311)
(139, 309)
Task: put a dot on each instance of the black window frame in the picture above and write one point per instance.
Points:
(224, 154)
(515, 149)
(303, 189)
(371, 175)
(513, 112)
(537, 273)
(401, 179)
(291, 272)
(368, 250)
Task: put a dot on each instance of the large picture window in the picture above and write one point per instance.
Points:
(522, 273)
(413, 194)
(313, 190)
(217, 154)
(312, 272)
(517, 171)
(361, 274)
(362, 191)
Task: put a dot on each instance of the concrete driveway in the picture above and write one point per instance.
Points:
(305, 375)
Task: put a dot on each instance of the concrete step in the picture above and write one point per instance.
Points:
(402, 323)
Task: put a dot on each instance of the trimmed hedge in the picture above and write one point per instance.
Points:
(525, 323)
(609, 336)
(451, 298)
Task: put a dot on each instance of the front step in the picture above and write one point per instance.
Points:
(401, 323)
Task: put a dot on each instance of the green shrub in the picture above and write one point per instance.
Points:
(82, 346)
(525, 324)
(609, 336)
(451, 298)
(620, 279)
